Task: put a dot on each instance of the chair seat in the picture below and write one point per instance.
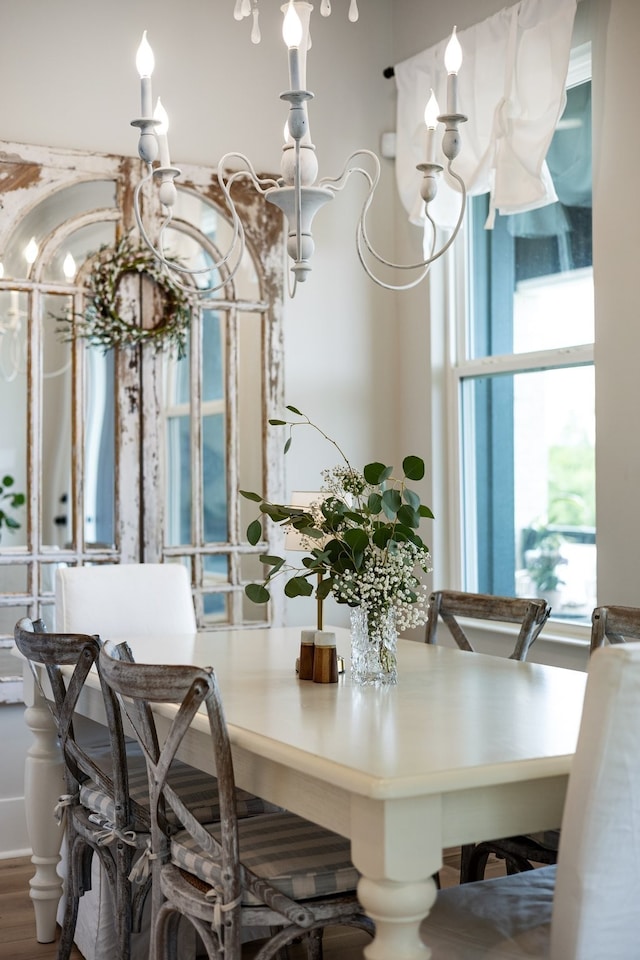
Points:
(507, 918)
(199, 791)
(299, 858)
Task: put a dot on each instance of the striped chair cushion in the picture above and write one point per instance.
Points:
(198, 790)
(297, 857)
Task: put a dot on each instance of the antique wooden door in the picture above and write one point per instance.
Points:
(130, 454)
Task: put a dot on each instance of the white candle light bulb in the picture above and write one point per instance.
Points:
(431, 112)
(453, 54)
(161, 115)
(145, 63)
(31, 251)
(452, 63)
(145, 60)
(69, 267)
(292, 35)
(325, 8)
(292, 27)
(353, 11)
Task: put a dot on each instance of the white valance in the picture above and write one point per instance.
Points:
(512, 87)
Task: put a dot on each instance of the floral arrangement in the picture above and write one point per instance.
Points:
(103, 324)
(361, 538)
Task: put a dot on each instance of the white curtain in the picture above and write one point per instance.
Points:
(512, 88)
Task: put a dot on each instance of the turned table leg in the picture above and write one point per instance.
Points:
(43, 785)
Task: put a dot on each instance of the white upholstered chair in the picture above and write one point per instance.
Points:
(585, 908)
(118, 600)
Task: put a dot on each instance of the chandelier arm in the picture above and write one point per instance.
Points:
(339, 183)
(381, 283)
(177, 268)
(435, 254)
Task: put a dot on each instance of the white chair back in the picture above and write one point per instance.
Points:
(595, 907)
(120, 600)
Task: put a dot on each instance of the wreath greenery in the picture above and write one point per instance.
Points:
(102, 323)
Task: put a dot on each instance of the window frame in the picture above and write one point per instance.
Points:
(449, 298)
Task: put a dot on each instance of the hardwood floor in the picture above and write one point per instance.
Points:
(17, 924)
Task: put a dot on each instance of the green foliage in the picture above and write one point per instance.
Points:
(542, 562)
(362, 530)
(9, 499)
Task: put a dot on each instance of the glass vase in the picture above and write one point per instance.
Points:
(374, 642)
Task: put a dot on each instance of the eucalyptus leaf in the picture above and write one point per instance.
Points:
(357, 539)
(256, 497)
(324, 588)
(294, 410)
(408, 516)
(411, 498)
(257, 593)
(376, 473)
(298, 587)
(413, 468)
(254, 532)
(391, 503)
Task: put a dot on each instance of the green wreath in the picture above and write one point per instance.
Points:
(102, 323)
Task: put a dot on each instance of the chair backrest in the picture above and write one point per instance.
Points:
(448, 605)
(140, 685)
(615, 625)
(121, 600)
(68, 659)
(595, 910)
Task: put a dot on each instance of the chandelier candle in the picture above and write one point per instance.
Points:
(292, 35)
(452, 63)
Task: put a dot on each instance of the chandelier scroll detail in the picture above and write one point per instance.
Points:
(298, 193)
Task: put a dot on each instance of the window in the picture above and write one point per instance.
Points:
(525, 388)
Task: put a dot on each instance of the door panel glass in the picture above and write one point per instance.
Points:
(100, 449)
(55, 476)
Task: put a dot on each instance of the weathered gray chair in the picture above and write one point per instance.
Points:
(519, 853)
(272, 871)
(614, 624)
(92, 786)
(450, 605)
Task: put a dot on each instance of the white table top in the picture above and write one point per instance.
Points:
(453, 720)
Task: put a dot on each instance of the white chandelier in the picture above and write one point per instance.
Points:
(298, 193)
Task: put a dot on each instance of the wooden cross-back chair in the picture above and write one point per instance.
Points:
(279, 879)
(531, 614)
(614, 624)
(101, 816)
(451, 605)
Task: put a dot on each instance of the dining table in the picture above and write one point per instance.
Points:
(464, 747)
